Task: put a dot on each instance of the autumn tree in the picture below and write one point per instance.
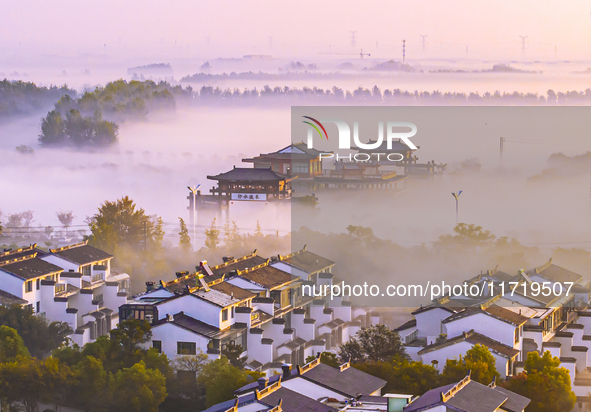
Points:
(402, 375)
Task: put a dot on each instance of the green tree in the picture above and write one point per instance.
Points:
(91, 390)
(53, 129)
(121, 223)
(233, 352)
(478, 360)
(221, 379)
(39, 336)
(11, 344)
(327, 358)
(78, 128)
(374, 344)
(403, 376)
(185, 240)
(23, 380)
(58, 381)
(138, 389)
(545, 383)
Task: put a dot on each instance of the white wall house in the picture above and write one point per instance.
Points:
(72, 284)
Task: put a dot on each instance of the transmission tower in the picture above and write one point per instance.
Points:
(403, 51)
(523, 43)
(424, 41)
(353, 38)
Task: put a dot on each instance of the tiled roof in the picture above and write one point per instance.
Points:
(554, 273)
(191, 324)
(231, 290)
(30, 267)
(350, 382)
(497, 312)
(469, 396)
(21, 252)
(216, 297)
(292, 401)
(81, 254)
(8, 299)
(269, 277)
(475, 339)
(309, 262)
(249, 174)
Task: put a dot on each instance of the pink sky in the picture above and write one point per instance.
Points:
(298, 27)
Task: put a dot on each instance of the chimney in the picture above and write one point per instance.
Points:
(149, 286)
(71, 270)
(262, 383)
(286, 371)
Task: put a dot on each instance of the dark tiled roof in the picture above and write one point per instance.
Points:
(292, 401)
(515, 402)
(81, 254)
(269, 277)
(431, 307)
(218, 271)
(555, 273)
(8, 299)
(475, 339)
(21, 252)
(497, 312)
(350, 382)
(471, 397)
(191, 324)
(30, 268)
(232, 290)
(309, 262)
(410, 324)
(249, 174)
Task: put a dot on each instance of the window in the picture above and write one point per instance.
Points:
(85, 270)
(186, 348)
(232, 312)
(38, 307)
(224, 315)
(99, 298)
(28, 286)
(517, 335)
(38, 284)
(157, 344)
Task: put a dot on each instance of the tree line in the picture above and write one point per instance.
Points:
(91, 119)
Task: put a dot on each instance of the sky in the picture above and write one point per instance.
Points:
(234, 28)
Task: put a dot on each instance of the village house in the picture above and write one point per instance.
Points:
(72, 284)
(469, 396)
(512, 324)
(250, 301)
(311, 387)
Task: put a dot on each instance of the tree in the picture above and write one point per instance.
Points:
(39, 336)
(479, 361)
(374, 344)
(185, 240)
(221, 379)
(27, 216)
(545, 383)
(138, 389)
(328, 358)
(233, 352)
(403, 376)
(65, 218)
(121, 223)
(22, 380)
(58, 380)
(11, 345)
(212, 236)
(53, 129)
(91, 389)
